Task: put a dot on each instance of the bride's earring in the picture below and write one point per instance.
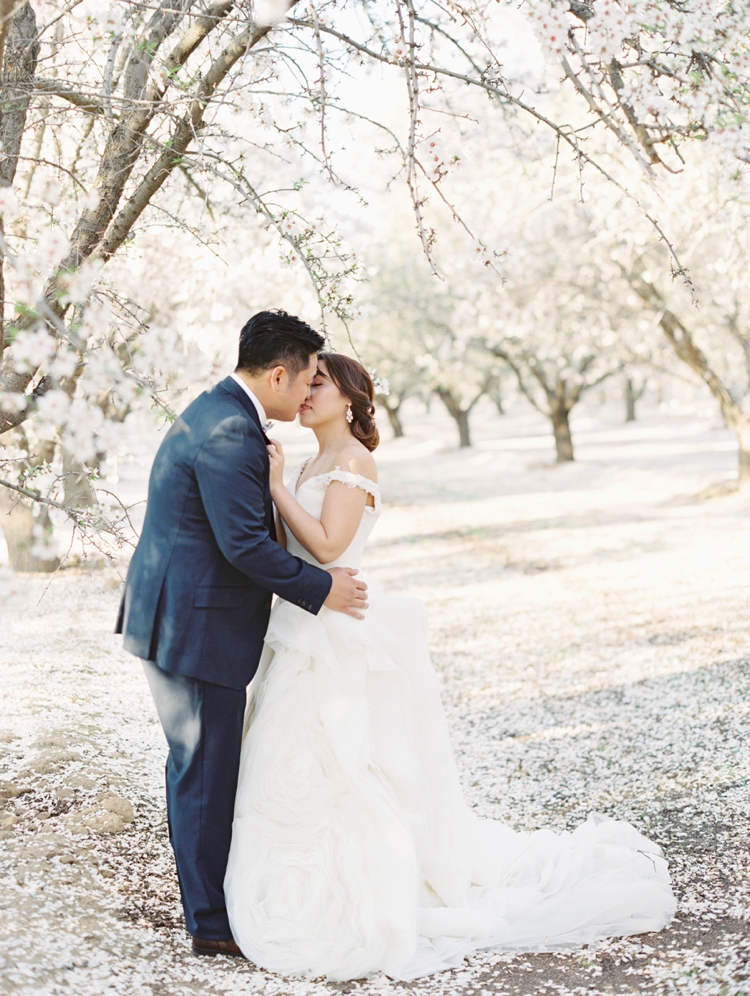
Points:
(349, 416)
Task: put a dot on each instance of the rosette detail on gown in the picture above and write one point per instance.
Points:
(353, 851)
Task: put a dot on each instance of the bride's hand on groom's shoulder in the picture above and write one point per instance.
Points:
(275, 465)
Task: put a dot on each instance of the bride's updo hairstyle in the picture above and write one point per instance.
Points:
(354, 382)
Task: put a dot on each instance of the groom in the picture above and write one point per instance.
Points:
(198, 596)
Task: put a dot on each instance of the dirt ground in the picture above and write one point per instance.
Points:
(591, 627)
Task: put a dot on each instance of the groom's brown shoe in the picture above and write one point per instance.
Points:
(212, 948)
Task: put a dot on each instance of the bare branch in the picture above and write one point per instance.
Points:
(564, 133)
(87, 102)
(527, 392)
(408, 37)
(323, 98)
(685, 345)
(80, 519)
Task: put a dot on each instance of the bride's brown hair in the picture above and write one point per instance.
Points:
(354, 382)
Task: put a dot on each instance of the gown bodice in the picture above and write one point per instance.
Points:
(311, 494)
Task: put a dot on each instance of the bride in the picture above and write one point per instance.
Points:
(352, 850)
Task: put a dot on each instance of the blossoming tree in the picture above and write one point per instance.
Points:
(421, 336)
(711, 337)
(117, 117)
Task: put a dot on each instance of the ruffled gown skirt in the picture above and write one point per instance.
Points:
(353, 851)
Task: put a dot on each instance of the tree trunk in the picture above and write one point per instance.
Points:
(456, 412)
(630, 399)
(462, 421)
(76, 484)
(18, 524)
(19, 51)
(563, 439)
(100, 228)
(690, 353)
(393, 417)
(742, 431)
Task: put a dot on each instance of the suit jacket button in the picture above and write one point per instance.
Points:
(267, 605)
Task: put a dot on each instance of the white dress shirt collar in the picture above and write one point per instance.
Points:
(258, 406)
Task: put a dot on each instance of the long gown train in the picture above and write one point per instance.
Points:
(353, 851)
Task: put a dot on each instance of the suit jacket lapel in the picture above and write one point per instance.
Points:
(231, 385)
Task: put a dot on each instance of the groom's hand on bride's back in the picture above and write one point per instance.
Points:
(348, 594)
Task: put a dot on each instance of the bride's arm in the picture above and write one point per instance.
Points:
(280, 531)
(343, 508)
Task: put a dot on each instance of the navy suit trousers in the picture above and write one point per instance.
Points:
(203, 726)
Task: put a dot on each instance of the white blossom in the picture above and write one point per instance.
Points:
(13, 401)
(53, 246)
(64, 364)
(96, 319)
(54, 406)
(108, 436)
(8, 203)
(26, 281)
(108, 19)
(381, 385)
(52, 193)
(158, 351)
(667, 86)
(90, 201)
(103, 371)
(270, 12)
(31, 348)
(78, 284)
(81, 427)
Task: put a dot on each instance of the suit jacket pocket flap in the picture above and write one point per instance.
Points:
(210, 596)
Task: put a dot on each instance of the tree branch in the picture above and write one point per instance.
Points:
(124, 144)
(9, 420)
(78, 518)
(564, 133)
(685, 346)
(123, 148)
(502, 354)
(186, 130)
(58, 88)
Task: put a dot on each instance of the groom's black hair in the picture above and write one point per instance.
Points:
(274, 337)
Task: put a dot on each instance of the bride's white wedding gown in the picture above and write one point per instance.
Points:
(353, 851)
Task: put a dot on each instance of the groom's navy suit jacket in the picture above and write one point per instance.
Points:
(198, 592)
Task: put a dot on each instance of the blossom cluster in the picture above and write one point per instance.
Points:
(551, 26)
(682, 69)
(73, 413)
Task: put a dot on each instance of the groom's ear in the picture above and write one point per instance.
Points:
(278, 377)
